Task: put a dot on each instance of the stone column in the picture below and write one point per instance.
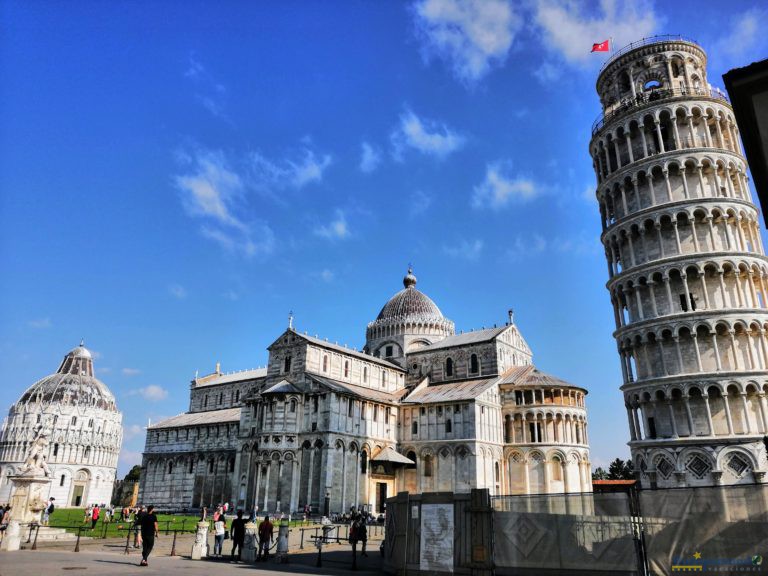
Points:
(709, 414)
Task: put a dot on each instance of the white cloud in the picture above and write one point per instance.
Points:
(499, 188)
(103, 369)
(419, 203)
(531, 245)
(152, 393)
(745, 33)
(132, 431)
(131, 371)
(270, 176)
(177, 291)
(209, 92)
(467, 250)
(370, 158)
(327, 275)
(336, 228)
(129, 458)
(548, 73)
(40, 323)
(95, 354)
(472, 36)
(231, 295)
(426, 136)
(570, 32)
(589, 195)
(213, 191)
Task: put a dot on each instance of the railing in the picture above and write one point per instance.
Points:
(653, 96)
(644, 42)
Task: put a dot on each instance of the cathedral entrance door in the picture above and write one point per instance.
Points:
(77, 495)
(381, 496)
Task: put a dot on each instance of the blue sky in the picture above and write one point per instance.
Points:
(175, 177)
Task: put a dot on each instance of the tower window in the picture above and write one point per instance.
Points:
(74, 420)
(474, 365)
(449, 367)
(346, 369)
(315, 403)
(55, 449)
(237, 396)
(365, 374)
(293, 406)
(351, 408)
(62, 479)
(684, 302)
(389, 351)
(191, 465)
(414, 427)
(383, 378)
(287, 364)
(448, 426)
(205, 401)
(170, 467)
(325, 363)
(428, 465)
(210, 467)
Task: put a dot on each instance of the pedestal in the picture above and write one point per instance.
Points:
(282, 544)
(12, 537)
(28, 497)
(251, 543)
(200, 547)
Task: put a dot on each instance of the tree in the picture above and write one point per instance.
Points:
(599, 474)
(621, 470)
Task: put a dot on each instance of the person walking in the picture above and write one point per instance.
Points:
(88, 514)
(137, 526)
(95, 516)
(149, 532)
(238, 535)
(362, 535)
(265, 538)
(220, 529)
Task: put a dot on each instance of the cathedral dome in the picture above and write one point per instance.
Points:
(410, 304)
(73, 383)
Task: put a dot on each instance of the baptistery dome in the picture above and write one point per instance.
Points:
(77, 415)
(408, 321)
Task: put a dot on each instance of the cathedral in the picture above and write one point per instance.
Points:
(72, 418)
(420, 408)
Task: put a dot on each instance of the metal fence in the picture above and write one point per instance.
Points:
(665, 532)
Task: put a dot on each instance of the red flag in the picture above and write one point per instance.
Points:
(601, 46)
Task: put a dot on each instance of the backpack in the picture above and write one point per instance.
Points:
(51, 508)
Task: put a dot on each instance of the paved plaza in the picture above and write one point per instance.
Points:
(108, 557)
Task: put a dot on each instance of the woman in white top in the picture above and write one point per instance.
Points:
(219, 528)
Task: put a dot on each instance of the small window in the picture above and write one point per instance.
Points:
(205, 401)
(314, 426)
(474, 365)
(557, 469)
(389, 351)
(287, 364)
(428, 465)
(364, 463)
(38, 418)
(457, 409)
(375, 413)
(55, 449)
(365, 374)
(74, 420)
(90, 423)
(170, 467)
(191, 465)
(237, 396)
(448, 426)
(231, 465)
(325, 363)
(684, 302)
(363, 407)
(350, 408)
(315, 403)
(387, 414)
(383, 378)
(449, 367)
(210, 466)
(346, 369)
(293, 406)
(414, 427)
(62, 479)
(423, 410)
(221, 398)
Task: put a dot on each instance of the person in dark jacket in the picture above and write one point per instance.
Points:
(238, 534)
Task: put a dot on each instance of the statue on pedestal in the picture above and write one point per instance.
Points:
(34, 463)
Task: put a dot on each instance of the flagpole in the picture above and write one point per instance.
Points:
(613, 48)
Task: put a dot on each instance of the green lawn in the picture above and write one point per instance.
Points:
(72, 519)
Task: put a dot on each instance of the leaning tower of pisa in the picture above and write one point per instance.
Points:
(687, 271)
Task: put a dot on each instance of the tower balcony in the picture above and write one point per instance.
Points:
(653, 97)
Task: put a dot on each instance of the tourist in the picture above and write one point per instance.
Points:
(238, 535)
(88, 514)
(362, 535)
(95, 516)
(137, 526)
(6, 517)
(148, 534)
(219, 529)
(265, 538)
(225, 508)
(47, 511)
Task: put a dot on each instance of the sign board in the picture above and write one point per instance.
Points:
(437, 537)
